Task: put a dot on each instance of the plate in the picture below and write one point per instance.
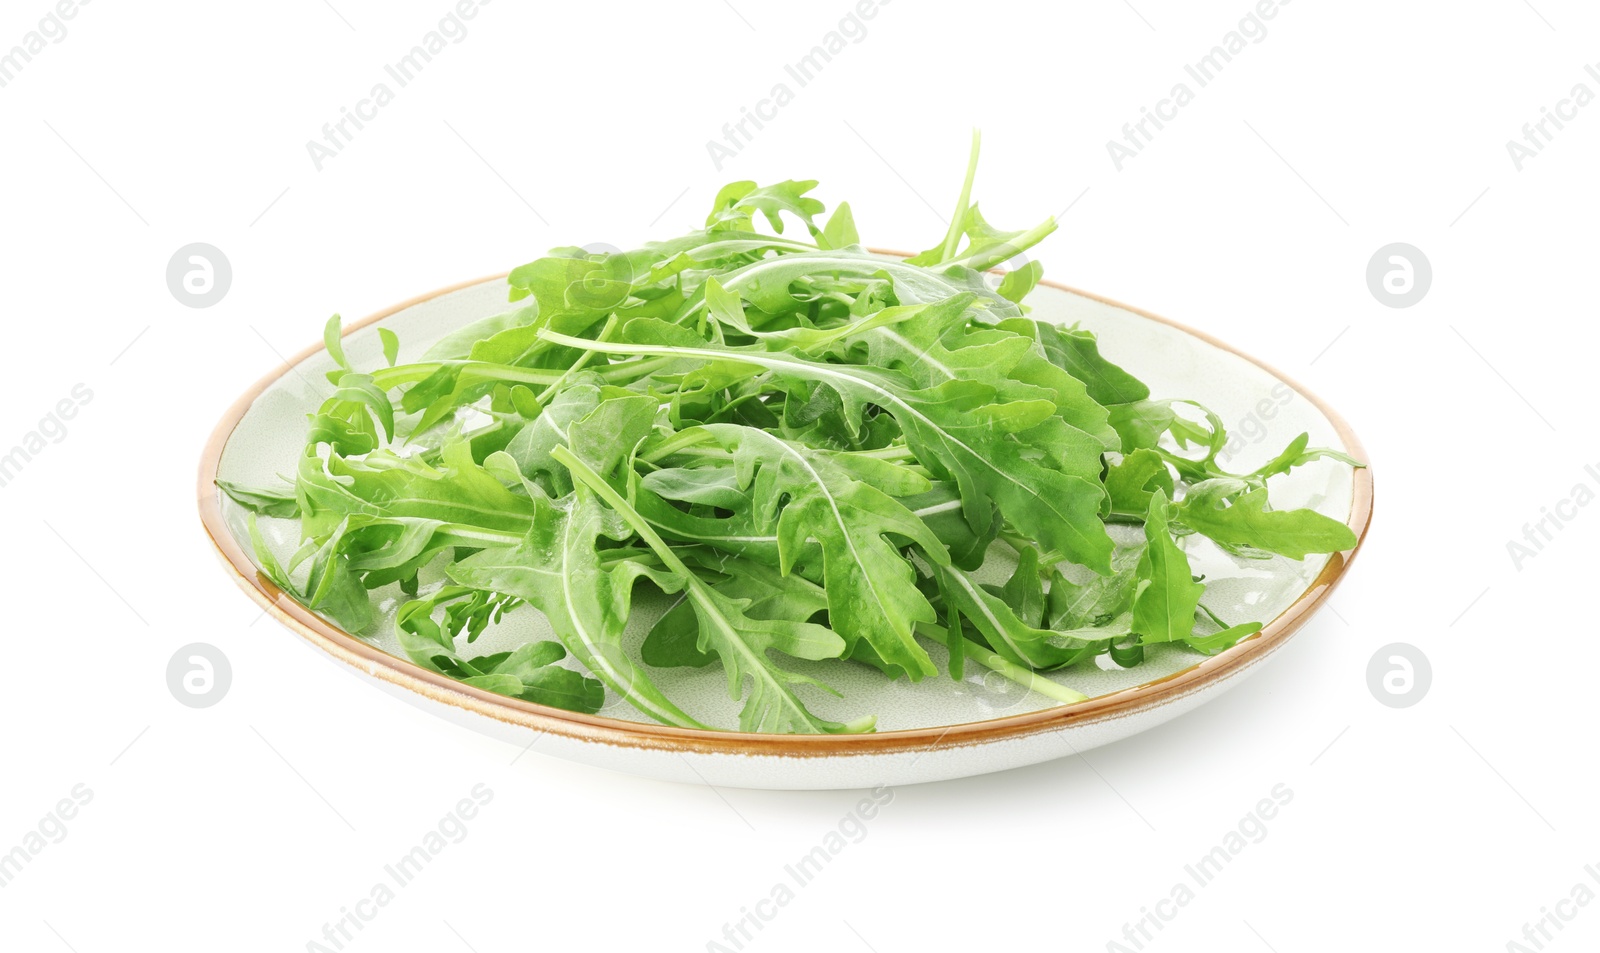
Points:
(933, 730)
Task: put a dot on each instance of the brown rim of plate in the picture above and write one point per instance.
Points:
(591, 728)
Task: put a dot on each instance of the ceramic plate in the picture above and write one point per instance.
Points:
(930, 731)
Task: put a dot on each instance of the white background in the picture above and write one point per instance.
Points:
(1448, 825)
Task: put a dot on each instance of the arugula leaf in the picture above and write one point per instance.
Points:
(1296, 455)
(330, 587)
(1019, 281)
(333, 342)
(529, 672)
(940, 509)
(1077, 352)
(1246, 522)
(840, 232)
(262, 500)
(1132, 481)
(391, 345)
(1102, 602)
(1219, 642)
(1167, 595)
(738, 202)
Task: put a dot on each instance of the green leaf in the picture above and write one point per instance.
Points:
(1168, 596)
(574, 287)
(1247, 522)
(738, 202)
(330, 586)
(1024, 591)
(1100, 602)
(987, 246)
(1141, 424)
(781, 284)
(458, 344)
(533, 442)
(1019, 281)
(384, 485)
(1134, 480)
(264, 501)
(391, 345)
(333, 340)
(941, 510)
(529, 672)
(840, 232)
(1219, 642)
(1296, 455)
(736, 534)
(1078, 353)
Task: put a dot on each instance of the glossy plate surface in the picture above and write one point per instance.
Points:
(932, 730)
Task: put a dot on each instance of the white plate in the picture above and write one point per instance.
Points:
(929, 731)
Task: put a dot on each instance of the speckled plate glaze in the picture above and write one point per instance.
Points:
(934, 730)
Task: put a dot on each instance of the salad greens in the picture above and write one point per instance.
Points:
(810, 448)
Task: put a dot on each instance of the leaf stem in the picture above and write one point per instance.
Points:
(389, 378)
(988, 659)
(896, 452)
(578, 365)
(952, 237)
(586, 475)
(1018, 543)
(682, 440)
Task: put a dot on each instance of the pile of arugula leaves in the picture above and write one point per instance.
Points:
(810, 447)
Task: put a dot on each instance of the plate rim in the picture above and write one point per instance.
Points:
(361, 655)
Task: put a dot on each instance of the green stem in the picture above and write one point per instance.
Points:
(389, 378)
(577, 365)
(633, 370)
(726, 409)
(392, 377)
(682, 440)
(1215, 619)
(622, 554)
(988, 659)
(1019, 542)
(952, 238)
(897, 452)
(586, 475)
